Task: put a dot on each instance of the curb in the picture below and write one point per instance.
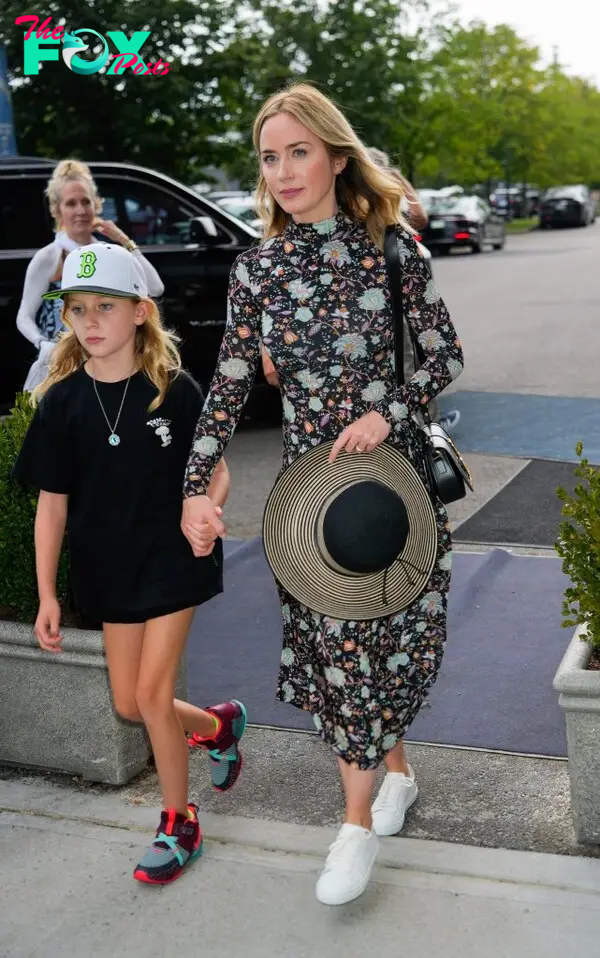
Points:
(25, 805)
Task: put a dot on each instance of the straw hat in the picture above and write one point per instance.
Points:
(352, 539)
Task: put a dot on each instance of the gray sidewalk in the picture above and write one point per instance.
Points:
(67, 888)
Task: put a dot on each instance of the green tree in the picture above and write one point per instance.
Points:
(359, 53)
(569, 148)
(484, 103)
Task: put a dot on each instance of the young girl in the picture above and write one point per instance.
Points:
(107, 448)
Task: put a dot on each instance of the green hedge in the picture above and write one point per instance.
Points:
(18, 587)
(578, 545)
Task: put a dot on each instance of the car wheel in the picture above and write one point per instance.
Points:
(501, 243)
(477, 245)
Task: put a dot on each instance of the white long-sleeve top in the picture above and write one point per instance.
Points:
(39, 273)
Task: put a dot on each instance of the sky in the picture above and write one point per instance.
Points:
(571, 25)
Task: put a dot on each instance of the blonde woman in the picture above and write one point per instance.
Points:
(75, 207)
(107, 449)
(316, 292)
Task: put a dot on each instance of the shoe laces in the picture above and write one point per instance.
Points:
(339, 847)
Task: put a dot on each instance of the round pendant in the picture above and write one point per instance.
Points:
(113, 439)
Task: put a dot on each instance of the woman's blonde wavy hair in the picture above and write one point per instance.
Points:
(365, 191)
(156, 354)
(69, 171)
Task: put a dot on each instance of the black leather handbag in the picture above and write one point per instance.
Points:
(448, 472)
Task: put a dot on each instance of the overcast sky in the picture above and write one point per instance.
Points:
(571, 25)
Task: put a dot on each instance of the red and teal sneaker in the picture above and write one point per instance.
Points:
(226, 760)
(178, 841)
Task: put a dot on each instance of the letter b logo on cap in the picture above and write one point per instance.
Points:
(87, 267)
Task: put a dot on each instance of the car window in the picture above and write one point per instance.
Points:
(564, 193)
(243, 211)
(151, 217)
(461, 206)
(25, 221)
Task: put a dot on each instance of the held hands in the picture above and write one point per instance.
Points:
(364, 435)
(201, 524)
(47, 626)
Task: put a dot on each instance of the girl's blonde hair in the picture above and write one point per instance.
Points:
(365, 191)
(69, 171)
(156, 354)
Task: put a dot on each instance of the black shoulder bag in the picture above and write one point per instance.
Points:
(448, 472)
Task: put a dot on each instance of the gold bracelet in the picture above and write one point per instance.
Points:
(131, 245)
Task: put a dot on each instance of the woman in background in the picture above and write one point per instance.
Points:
(75, 207)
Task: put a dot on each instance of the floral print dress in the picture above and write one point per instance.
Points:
(318, 297)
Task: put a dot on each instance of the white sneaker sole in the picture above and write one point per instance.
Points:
(350, 894)
(394, 828)
(335, 896)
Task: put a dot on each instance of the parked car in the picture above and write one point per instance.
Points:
(243, 206)
(444, 193)
(567, 206)
(516, 202)
(462, 221)
(190, 240)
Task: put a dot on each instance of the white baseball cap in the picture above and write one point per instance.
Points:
(101, 268)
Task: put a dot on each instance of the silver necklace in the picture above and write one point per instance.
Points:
(113, 438)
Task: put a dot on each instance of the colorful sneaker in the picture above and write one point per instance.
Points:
(226, 760)
(178, 841)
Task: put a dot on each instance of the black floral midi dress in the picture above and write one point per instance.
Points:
(318, 297)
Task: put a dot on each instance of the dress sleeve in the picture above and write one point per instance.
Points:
(43, 461)
(430, 323)
(236, 368)
(154, 282)
(37, 279)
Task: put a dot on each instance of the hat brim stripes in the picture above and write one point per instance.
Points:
(101, 290)
(291, 541)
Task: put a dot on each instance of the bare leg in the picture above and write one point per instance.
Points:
(358, 789)
(123, 649)
(395, 759)
(162, 647)
(196, 720)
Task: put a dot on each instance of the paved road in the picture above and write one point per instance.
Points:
(528, 319)
(528, 316)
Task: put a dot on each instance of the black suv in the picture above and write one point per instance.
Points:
(191, 242)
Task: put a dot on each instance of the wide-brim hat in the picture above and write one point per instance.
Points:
(352, 539)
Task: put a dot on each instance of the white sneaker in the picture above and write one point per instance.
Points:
(397, 793)
(348, 866)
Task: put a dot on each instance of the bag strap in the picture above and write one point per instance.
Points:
(394, 272)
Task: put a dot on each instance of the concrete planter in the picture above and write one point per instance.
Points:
(580, 698)
(57, 710)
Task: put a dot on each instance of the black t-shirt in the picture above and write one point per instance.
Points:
(129, 559)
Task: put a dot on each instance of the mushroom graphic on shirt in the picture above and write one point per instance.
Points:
(162, 429)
